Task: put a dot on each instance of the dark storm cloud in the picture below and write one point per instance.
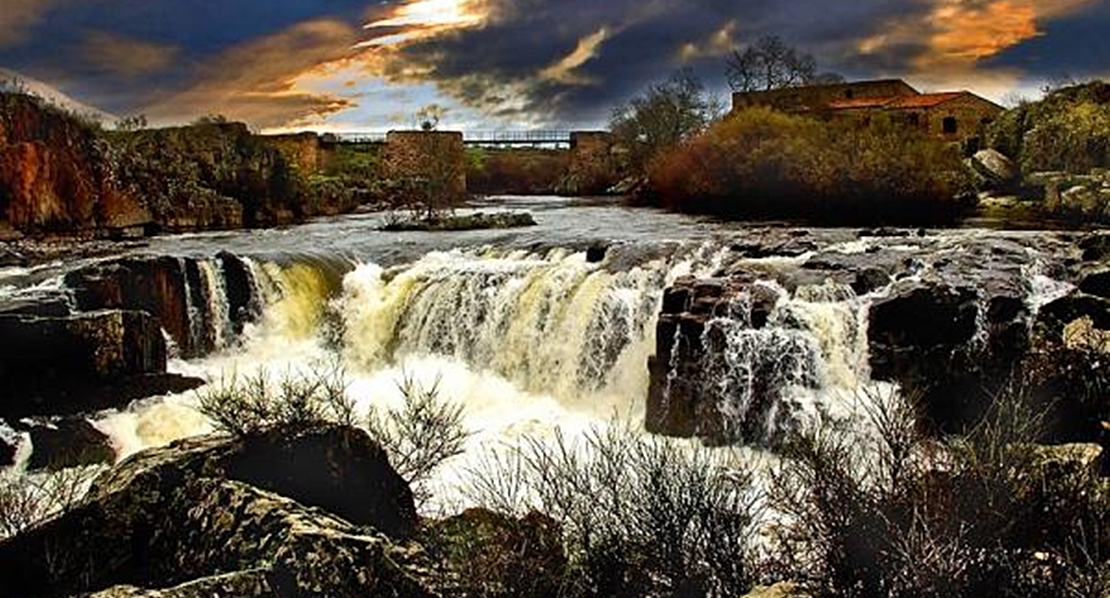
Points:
(97, 49)
(528, 60)
(1075, 46)
(644, 44)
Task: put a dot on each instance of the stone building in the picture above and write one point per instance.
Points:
(958, 116)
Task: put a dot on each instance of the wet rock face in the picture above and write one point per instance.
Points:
(176, 292)
(60, 443)
(714, 349)
(52, 365)
(156, 286)
(180, 518)
(948, 316)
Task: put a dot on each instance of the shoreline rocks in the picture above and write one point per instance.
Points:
(55, 365)
(280, 514)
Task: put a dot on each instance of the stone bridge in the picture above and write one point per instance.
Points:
(411, 153)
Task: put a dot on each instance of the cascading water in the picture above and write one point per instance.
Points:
(552, 324)
(218, 330)
(771, 360)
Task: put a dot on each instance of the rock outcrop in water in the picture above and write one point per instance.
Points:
(200, 518)
(951, 318)
(199, 302)
(52, 365)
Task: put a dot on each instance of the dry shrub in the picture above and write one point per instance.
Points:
(989, 514)
(762, 163)
(640, 515)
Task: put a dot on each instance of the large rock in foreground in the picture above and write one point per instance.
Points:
(197, 510)
(338, 469)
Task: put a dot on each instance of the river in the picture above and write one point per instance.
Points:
(517, 325)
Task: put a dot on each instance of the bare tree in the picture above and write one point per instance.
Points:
(665, 115)
(770, 64)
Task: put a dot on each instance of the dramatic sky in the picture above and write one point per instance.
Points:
(354, 65)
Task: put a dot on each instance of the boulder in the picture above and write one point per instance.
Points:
(1096, 283)
(1080, 199)
(56, 365)
(596, 253)
(338, 469)
(162, 533)
(995, 167)
(61, 443)
(11, 257)
(483, 553)
(871, 279)
(1096, 247)
(195, 510)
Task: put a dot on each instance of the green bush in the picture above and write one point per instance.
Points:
(759, 163)
(1068, 130)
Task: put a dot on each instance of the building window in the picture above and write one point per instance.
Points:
(950, 125)
(914, 119)
(849, 94)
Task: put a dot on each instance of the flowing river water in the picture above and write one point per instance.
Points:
(517, 326)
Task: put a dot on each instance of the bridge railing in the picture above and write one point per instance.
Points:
(492, 138)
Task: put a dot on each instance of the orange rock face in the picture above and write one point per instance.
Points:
(55, 175)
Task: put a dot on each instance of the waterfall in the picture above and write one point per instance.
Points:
(771, 362)
(218, 326)
(551, 324)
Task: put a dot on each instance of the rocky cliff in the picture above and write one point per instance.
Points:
(57, 173)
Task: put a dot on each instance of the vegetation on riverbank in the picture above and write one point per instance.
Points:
(514, 171)
(759, 163)
(1068, 130)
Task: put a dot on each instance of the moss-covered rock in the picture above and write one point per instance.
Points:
(186, 513)
(461, 222)
(483, 553)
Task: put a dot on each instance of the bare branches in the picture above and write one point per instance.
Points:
(771, 64)
(425, 432)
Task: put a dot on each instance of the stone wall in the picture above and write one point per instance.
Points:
(303, 150)
(817, 97)
(432, 159)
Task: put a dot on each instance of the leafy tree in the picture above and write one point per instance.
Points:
(664, 116)
(771, 64)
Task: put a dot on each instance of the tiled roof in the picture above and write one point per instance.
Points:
(860, 103)
(926, 100)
